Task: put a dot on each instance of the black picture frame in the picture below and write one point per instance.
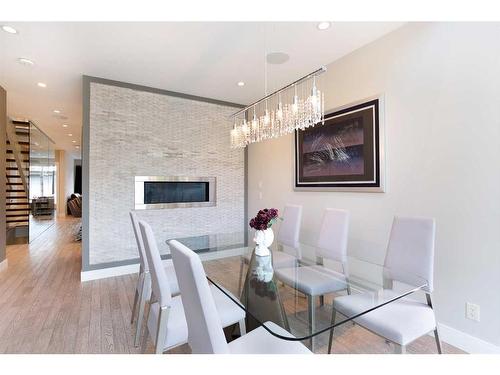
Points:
(345, 153)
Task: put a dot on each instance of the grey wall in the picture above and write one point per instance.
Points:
(3, 124)
(134, 131)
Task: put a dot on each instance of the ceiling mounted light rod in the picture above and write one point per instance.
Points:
(310, 75)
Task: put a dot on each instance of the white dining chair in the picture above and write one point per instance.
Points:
(317, 280)
(143, 286)
(165, 319)
(410, 255)
(288, 251)
(205, 329)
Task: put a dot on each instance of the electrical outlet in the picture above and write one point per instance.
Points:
(472, 311)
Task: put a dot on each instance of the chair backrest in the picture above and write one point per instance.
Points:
(410, 251)
(288, 234)
(160, 286)
(139, 241)
(205, 334)
(332, 242)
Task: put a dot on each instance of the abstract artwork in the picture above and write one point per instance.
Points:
(345, 153)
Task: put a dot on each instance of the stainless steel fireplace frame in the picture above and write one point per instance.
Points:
(139, 192)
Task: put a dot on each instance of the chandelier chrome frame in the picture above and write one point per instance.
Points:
(298, 105)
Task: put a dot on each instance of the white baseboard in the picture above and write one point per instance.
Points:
(466, 342)
(109, 272)
(112, 272)
(3, 264)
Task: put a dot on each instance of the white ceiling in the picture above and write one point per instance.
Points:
(205, 59)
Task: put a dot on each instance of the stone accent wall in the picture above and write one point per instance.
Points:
(138, 133)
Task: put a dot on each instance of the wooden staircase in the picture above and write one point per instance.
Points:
(17, 174)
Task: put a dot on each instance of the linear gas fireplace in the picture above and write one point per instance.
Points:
(156, 192)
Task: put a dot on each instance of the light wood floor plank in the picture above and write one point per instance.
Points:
(107, 343)
(95, 319)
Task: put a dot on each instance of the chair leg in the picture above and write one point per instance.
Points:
(243, 328)
(161, 329)
(438, 341)
(296, 301)
(136, 296)
(295, 289)
(146, 335)
(399, 349)
(312, 319)
(145, 341)
(143, 297)
(240, 282)
(322, 300)
(330, 342)
(436, 333)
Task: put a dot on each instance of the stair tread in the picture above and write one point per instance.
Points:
(20, 142)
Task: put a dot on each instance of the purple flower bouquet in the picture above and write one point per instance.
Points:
(264, 236)
(264, 219)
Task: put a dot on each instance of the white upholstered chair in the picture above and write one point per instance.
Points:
(205, 329)
(166, 321)
(317, 280)
(410, 253)
(143, 286)
(287, 240)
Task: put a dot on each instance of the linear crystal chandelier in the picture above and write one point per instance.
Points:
(298, 105)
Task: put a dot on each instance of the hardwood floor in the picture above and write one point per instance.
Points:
(44, 308)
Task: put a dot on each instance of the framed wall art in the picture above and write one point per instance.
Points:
(346, 153)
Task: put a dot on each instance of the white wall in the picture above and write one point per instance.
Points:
(69, 179)
(65, 179)
(442, 95)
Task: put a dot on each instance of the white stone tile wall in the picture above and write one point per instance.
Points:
(137, 133)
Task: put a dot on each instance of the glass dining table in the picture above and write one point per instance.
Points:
(298, 293)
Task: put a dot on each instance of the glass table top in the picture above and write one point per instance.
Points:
(307, 294)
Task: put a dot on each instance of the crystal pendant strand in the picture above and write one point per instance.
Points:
(296, 106)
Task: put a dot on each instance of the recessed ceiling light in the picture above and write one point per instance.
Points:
(25, 61)
(70, 135)
(241, 83)
(77, 146)
(73, 141)
(64, 125)
(9, 29)
(324, 25)
(41, 84)
(57, 111)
